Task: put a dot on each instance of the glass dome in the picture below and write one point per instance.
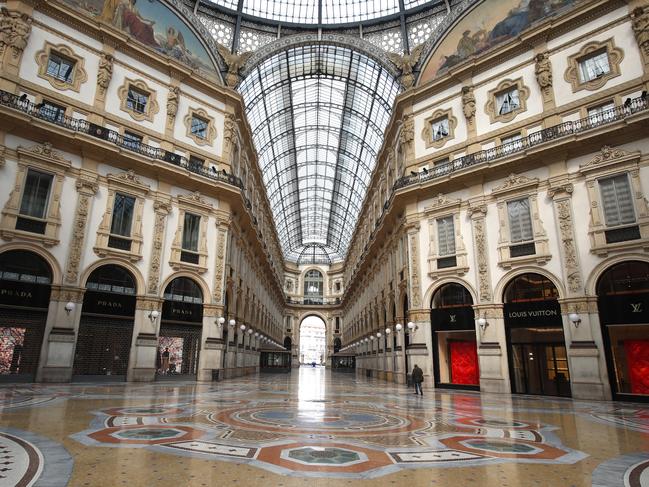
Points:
(316, 12)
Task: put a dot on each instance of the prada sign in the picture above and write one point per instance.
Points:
(27, 294)
(179, 311)
(626, 309)
(109, 303)
(533, 313)
(453, 318)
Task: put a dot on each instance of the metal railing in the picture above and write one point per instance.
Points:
(54, 116)
(313, 301)
(534, 139)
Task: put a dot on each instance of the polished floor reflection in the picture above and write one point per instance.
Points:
(313, 426)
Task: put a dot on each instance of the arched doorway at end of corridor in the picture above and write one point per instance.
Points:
(538, 360)
(454, 339)
(25, 286)
(313, 340)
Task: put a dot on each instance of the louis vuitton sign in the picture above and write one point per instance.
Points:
(533, 313)
(626, 309)
(461, 318)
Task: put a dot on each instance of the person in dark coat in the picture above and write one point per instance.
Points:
(417, 379)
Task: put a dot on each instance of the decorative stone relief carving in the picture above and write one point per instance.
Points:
(468, 104)
(15, 28)
(414, 269)
(220, 265)
(513, 181)
(65, 294)
(406, 63)
(607, 154)
(86, 187)
(104, 73)
(172, 105)
(640, 18)
(571, 264)
(407, 133)
(543, 71)
(234, 63)
(162, 209)
(477, 214)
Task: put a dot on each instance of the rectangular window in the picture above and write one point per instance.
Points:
(132, 141)
(60, 68)
(123, 210)
(594, 66)
(36, 194)
(507, 101)
(137, 100)
(617, 200)
(601, 112)
(446, 235)
(440, 128)
(520, 220)
(199, 127)
(51, 111)
(191, 230)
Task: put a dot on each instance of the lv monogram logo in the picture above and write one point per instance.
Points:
(636, 307)
(452, 317)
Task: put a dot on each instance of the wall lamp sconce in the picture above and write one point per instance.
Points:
(372, 337)
(232, 323)
(388, 331)
(242, 327)
(575, 319)
(153, 316)
(482, 323)
(256, 334)
(250, 331)
(69, 306)
(412, 327)
(220, 321)
(398, 327)
(378, 334)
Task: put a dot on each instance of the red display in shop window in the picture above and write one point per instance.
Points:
(464, 363)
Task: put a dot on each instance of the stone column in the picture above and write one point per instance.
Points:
(492, 346)
(584, 342)
(399, 354)
(144, 346)
(211, 354)
(57, 351)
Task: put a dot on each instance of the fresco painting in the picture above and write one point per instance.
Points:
(153, 24)
(489, 24)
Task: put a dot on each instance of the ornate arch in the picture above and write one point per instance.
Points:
(602, 267)
(135, 272)
(432, 289)
(509, 276)
(196, 278)
(57, 275)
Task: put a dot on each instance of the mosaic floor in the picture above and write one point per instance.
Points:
(333, 430)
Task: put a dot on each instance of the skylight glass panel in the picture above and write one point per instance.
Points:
(344, 11)
(297, 11)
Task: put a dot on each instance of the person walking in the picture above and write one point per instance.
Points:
(417, 379)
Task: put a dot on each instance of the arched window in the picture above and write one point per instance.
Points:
(24, 266)
(288, 343)
(629, 277)
(530, 287)
(184, 290)
(111, 279)
(313, 287)
(451, 296)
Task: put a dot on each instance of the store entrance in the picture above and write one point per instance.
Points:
(538, 360)
(179, 339)
(25, 280)
(540, 368)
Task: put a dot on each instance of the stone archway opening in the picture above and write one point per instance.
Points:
(313, 341)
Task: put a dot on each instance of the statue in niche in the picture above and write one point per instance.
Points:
(105, 72)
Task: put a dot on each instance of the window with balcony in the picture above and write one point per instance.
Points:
(601, 113)
(61, 67)
(191, 232)
(51, 111)
(132, 141)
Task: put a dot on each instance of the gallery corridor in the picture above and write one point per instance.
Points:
(333, 428)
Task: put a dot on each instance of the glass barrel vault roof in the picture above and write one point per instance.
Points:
(320, 11)
(318, 113)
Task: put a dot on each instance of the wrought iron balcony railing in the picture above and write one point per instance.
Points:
(565, 129)
(313, 301)
(43, 112)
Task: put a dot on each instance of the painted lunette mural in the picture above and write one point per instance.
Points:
(153, 24)
(490, 23)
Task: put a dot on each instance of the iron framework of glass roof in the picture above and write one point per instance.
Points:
(318, 113)
(321, 12)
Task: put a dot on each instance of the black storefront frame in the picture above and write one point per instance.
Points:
(188, 315)
(532, 314)
(607, 319)
(460, 319)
